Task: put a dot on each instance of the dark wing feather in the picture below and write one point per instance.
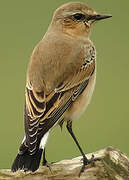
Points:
(34, 107)
(54, 116)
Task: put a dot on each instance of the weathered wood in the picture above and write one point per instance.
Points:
(113, 165)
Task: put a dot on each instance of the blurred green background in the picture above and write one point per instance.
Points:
(106, 121)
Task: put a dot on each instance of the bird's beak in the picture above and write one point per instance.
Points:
(98, 17)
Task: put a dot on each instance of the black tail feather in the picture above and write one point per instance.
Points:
(27, 162)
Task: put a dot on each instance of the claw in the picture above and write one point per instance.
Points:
(47, 165)
(86, 162)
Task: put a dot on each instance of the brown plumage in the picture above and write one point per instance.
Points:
(60, 80)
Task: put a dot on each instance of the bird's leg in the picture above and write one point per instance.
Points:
(85, 160)
(45, 163)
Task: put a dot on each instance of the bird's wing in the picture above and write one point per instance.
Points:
(67, 92)
(43, 111)
(34, 107)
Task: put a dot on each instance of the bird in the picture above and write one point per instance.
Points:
(60, 81)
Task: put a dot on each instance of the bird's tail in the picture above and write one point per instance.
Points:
(27, 162)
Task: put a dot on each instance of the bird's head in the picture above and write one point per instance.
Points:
(76, 19)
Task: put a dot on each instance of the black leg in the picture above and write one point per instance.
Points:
(85, 160)
(45, 163)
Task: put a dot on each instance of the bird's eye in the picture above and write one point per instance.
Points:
(79, 16)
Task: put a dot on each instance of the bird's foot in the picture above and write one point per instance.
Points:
(45, 163)
(86, 162)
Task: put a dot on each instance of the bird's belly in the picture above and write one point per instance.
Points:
(79, 106)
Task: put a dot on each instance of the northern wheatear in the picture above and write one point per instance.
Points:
(60, 81)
